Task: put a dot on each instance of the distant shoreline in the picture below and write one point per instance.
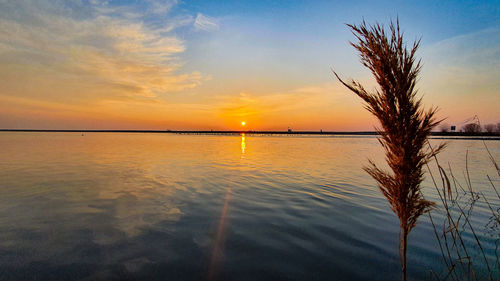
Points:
(482, 135)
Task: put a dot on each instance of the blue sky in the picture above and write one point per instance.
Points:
(211, 64)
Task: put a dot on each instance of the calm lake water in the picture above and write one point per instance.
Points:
(122, 206)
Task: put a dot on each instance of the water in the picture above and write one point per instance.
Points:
(107, 206)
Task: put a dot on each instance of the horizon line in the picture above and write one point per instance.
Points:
(233, 132)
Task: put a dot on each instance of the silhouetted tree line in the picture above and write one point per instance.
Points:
(473, 128)
(476, 128)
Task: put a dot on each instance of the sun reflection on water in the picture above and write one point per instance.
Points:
(243, 145)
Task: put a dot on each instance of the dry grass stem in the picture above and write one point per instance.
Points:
(463, 258)
(405, 125)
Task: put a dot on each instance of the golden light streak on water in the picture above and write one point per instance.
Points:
(217, 253)
(243, 145)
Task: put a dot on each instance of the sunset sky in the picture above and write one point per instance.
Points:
(154, 64)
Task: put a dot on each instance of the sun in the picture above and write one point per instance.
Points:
(243, 123)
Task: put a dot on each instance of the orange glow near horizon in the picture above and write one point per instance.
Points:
(127, 73)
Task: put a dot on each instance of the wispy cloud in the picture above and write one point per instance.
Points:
(460, 67)
(68, 51)
(162, 7)
(206, 23)
(328, 105)
(301, 99)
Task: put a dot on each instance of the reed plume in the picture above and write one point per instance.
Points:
(405, 125)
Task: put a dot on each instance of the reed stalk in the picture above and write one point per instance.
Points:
(404, 125)
(465, 261)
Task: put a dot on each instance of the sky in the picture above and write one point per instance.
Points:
(200, 65)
